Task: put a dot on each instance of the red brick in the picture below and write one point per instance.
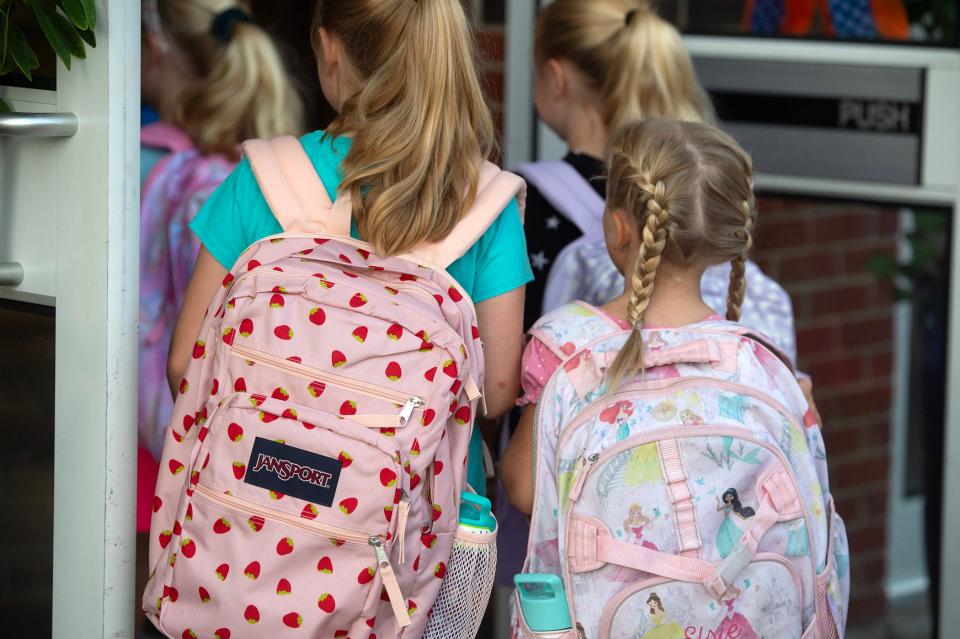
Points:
(490, 46)
(882, 365)
(839, 300)
(888, 221)
(852, 226)
(814, 266)
(866, 608)
(493, 85)
(858, 404)
(842, 370)
(817, 340)
(864, 471)
(856, 260)
(788, 233)
(869, 331)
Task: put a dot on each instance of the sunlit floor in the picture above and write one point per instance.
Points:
(906, 618)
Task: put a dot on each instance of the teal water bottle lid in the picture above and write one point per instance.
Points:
(543, 601)
(475, 512)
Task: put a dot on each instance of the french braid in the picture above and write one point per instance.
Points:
(738, 279)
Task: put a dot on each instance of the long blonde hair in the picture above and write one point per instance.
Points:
(420, 124)
(240, 89)
(688, 188)
(636, 59)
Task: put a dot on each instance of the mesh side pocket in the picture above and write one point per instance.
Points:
(466, 588)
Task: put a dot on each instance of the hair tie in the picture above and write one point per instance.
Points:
(225, 23)
(629, 17)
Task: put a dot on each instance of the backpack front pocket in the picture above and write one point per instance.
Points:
(288, 522)
(764, 602)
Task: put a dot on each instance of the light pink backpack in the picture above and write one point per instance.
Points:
(312, 471)
(690, 502)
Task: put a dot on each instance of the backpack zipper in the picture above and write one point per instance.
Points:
(407, 403)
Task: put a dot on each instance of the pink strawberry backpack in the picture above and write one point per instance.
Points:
(691, 502)
(312, 469)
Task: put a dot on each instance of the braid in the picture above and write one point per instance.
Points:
(738, 280)
(654, 239)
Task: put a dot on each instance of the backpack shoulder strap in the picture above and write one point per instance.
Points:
(165, 136)
(495, 190)
(293, 189)
(568, 192)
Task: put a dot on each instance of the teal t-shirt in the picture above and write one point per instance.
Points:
(237, 215)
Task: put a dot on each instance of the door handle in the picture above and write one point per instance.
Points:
(38, 125)
(11, 273)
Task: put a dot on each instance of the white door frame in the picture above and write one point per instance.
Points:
(89, 271)
(941, 179)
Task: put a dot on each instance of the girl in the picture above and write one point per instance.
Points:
(679, 200)
(213, 78)
(599, 65)
(412, 130)
(730, 532)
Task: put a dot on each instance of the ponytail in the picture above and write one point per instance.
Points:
(420, 124)
(241, 89)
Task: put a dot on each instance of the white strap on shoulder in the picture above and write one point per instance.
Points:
(568, 192)
(495, 190)
(293, 189)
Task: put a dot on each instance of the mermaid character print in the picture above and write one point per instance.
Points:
(635, 523)
(730, 532)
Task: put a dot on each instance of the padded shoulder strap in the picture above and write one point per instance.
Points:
(293, 189)
(568, 192)
(165, 136)
(495, 189)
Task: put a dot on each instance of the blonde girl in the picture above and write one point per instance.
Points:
(412, 131)
(679, 200)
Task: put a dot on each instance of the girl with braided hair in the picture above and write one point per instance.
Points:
(679, 200)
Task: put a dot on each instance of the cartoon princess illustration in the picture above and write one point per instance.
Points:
(635, 524)
(797, 538)
(690, 418)
(733, 623)
(662, 629)
(730, 533)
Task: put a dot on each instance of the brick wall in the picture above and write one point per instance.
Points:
(818, 251)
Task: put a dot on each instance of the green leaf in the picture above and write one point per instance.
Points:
(75, 12)
(4, 107)
(90, 10)
(20, 52)
(89, 37)
(882, 266)
(60, 32)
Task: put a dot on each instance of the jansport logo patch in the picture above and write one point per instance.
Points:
(293, 471)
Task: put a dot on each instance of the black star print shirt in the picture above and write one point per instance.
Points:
(548, 231)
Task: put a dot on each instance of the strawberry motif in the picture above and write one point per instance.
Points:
(360, 334)
(275, 495)
(252, 264)
(251, 614)
(344, 258)
(439, 299)
(228, 335)
(393, 371)
(440, 570)
(428, 540)
(411, 607)
(415, 448)
(284, 587)
(257, 399)
(184, 386)
(325, 565)
(246, 327)
(475, 332)
(348, 408)
(455, 387)
(240, 385)
(358, 300)
(285, 546)
(188, 548)
(345, 459)
(228, 280)
(204, 595)
(266, 418)
(256, 523)
(165, 537)
(391, 290)
(388, 478)
(276, 301)
(428, 416)
(280, 393)
(462, 416)
(338, 359)
(175, 467)
(388, 432)
(450, 368)
(454, 294)
(395, 331)
(437, 467)
(388, 513)
(317, 316)
(416, 564)
(366, 576)
(323, 283)
(188, 634)
(350, 274)
(414, 481)
(292, 620)
(157, 503)
(430, 374)
(221, 633)
(252, 571)
(214, 387)
(283, 332)
(309, 512)
(221, 526)
(222, 571)
(316, 389)
(239, 470)
(234, 432)
(348, 505)
(407, 277)
(326, 603)
(364, 253)
(290, 413)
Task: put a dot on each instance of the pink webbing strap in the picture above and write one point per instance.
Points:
(495, 189)
(273, 183)
(723, 355)
(685, 516)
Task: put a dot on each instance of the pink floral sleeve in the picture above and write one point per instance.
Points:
(537, 366)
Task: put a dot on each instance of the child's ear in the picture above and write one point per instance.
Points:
(327, 47)
(557, 78)
(622, 230)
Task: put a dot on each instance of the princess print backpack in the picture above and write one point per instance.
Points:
(690, 502)
(312, 470)
(584, 271)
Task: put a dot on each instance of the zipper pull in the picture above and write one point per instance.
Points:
(397, 602)
(581, 470)
(407, 411)
(403, 511)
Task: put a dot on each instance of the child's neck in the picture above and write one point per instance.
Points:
(587, 133)
(676, 299)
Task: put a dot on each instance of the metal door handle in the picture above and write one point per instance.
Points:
(38, 125)
(11, 273)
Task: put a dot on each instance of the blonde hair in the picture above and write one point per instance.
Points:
(240, 90)
(688, 188)
(636, 59)
(420, 124)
